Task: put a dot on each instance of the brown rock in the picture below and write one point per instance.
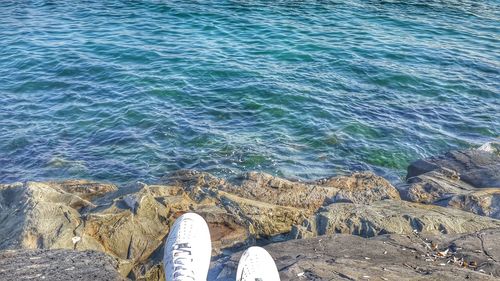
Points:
(35, 215)
(262, 219)
(266, 188)
(87, 190)
(361, 188)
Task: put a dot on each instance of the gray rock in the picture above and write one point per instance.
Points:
(476, 167)
(399, 217)
(485, 202)
(459, 179)
(434, 186)
(54, 265)
(416, 256)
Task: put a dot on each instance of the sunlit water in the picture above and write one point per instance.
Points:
(131, 90)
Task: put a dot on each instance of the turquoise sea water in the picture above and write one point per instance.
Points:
(130, 90)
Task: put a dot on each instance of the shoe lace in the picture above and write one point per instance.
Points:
(183, 270)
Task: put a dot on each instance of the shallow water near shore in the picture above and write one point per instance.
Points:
(131, 90)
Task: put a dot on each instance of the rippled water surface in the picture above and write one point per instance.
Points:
(131, 90)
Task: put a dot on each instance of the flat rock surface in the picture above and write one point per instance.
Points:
(387, 257)
(54, 265)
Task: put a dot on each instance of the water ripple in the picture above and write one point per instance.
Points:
(130, 90)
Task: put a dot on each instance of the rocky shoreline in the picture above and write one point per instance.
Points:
(442, 224)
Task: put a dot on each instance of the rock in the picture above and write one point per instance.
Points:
(191, 180)
(84, 189)
(485, 202)
(37, 215)
(226, 229)
(57, 265)
(46, 216)
(263, 220)
(361, 188)
(435, 185)
(266, 188)
(385, 257)
(399, 217)
(491, 147)
(271, 206)
(451, 181)
(431, 188)
(131, 225)
(480, 248)
(479, 168)
(131, 235)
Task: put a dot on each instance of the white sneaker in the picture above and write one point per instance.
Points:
(256, 264)
(187, 249)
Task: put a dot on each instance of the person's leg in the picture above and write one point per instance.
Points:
(256, 264)
(187, 249)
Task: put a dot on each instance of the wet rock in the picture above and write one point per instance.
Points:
(491, 147)
(398, 217)
(192, 180)
(385, 257)
(57, 265)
